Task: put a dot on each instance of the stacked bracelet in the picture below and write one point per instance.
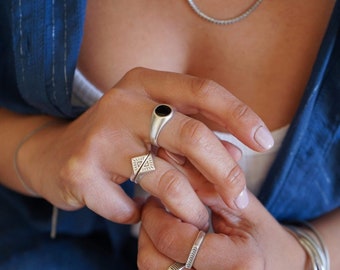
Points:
(312, 243)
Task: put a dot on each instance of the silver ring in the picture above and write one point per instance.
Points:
(140, 166)
(160, 116)
(194, 250)
(176, 266)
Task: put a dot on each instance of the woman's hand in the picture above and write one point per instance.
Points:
(83, 162)
(251, 240)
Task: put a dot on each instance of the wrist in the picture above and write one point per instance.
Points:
(310, 240)
(283, 251)
(296, 256)
(28, 153)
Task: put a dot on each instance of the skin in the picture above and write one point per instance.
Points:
(238, 241)
(70, 155)
(267, 69)
(263, 71)
(252, 239)
(265, 61)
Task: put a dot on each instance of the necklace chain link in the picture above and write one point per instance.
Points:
(225, 21)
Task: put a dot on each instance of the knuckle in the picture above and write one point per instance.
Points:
(133, 74)
(202, 88)
(194, 133)
(71, 178)
(234, 176)
(241, 111)
(69, 173)
(174, 191)
(170, 183)
(135, 70)
(166, 241)
(111, 100)
(198, 217)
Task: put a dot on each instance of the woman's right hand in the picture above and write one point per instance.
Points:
(83, 162)
(252, 239)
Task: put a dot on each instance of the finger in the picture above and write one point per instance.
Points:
(254, 215)
(167, 232)
(110, 201)
(200, 184)
(181, 135)
(236, 250)
(189, 137)
(148, 256)
(192, 95)
(174, 190)
(203, 188)
(117, 148)
(104, 197)
(233, 150)
(165, 182)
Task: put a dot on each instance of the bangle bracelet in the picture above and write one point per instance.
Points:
(321, 243)
(15, 158)
(311, 242)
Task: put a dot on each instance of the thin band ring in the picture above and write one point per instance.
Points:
(160, 116)
(194, 250)
(176, 266)
(140, 166)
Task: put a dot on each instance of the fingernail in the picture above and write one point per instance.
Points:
(242, 199)
(264, 138)
(180, 160)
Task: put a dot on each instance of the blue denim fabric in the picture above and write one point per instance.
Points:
(304, 181)
(84, 240)
(39, 45)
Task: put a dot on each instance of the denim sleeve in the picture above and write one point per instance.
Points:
(39, 47)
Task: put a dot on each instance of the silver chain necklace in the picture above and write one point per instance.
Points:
(225, 21)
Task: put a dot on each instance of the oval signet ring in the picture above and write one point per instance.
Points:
(160, 116)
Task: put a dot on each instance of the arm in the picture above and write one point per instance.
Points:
(14, 127)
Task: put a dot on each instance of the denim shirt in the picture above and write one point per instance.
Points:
(304, 181)
(39, 46)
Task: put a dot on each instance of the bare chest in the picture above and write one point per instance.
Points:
(265, 60)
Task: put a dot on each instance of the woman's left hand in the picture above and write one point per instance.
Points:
(252, 239)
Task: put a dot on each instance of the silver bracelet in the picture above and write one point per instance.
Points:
(312, 243)
(15, 158)
(54, 219)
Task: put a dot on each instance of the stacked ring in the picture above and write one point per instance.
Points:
(192, 255)
(194, 250)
